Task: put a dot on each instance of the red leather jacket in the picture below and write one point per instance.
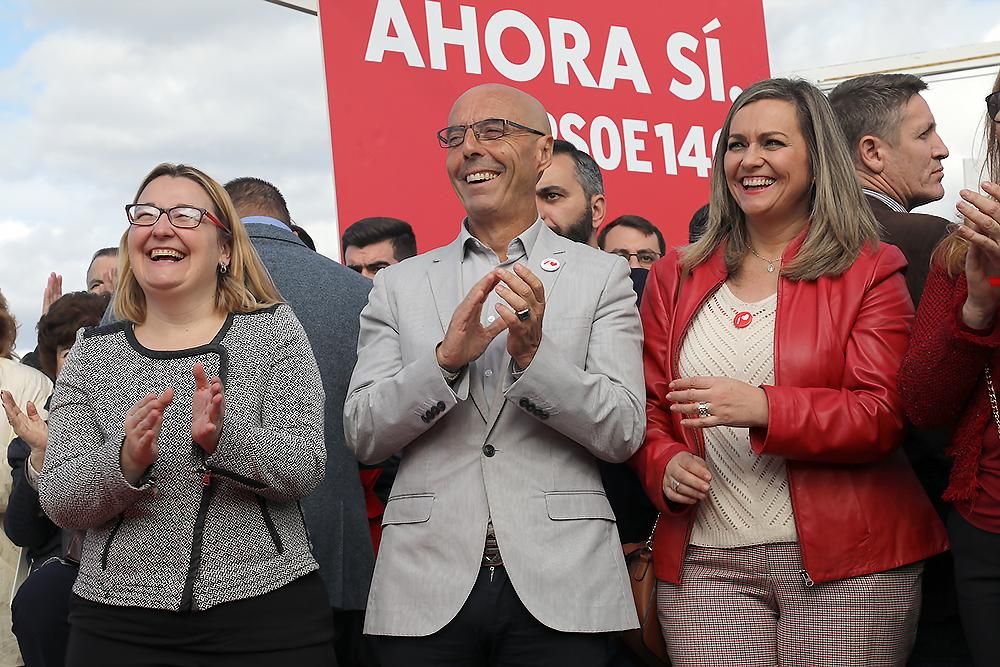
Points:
(834, 414)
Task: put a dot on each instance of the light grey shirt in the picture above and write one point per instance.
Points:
(479, 259)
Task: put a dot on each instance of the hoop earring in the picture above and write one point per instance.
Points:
(223, 269)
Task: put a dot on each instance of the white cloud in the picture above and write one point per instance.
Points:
(803, 34)
(237, 88)
(994, 34)
(12, 231)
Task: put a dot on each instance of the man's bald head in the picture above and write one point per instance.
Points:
(495, 175)
(524, 108)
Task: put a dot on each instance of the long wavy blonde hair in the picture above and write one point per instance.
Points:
(841, 222)
(951, 251)
(244, 288)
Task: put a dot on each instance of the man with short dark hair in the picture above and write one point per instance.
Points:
(570, 194)
(892, 136)
(258, 198)
(635, 238)
(371, 244)
(893, 139)
(327, 298)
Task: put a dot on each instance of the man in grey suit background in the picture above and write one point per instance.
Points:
(501, 366)
(327, 298)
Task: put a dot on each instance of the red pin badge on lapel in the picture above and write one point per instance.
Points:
(550, 264)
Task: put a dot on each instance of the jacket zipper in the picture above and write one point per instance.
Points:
(270, 524)
(302, 515)
(207, 491)
(675, 373)
(111, 538)
(807, 580)
(236, 477)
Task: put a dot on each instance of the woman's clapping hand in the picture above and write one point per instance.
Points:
(207, 408)
(29, 426)
(142, 428)
(982, 262)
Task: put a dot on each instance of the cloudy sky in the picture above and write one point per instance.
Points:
(93, 94)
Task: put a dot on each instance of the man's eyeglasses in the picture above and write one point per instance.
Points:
(993, 106)
(644, 257)
(485, 130)
(182, 217)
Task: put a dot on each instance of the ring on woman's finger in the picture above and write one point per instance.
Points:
(704, 410)
(674, 484)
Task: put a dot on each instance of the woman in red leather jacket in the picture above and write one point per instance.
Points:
(791, 527)
(949, 378)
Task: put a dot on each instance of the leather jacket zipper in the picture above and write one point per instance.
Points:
(804, 573)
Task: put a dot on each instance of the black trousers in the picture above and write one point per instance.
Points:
(352, 647)
(40, 614)
(977, 579)
(291, 625)
(493, 629)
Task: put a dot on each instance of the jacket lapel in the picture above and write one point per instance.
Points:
(548, 246)
(445, 278)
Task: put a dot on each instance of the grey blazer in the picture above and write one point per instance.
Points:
(526, 457)
(327, 298)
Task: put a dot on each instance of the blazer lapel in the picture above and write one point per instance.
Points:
(445, 278)
(548, 246)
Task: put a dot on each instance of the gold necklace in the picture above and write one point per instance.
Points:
(770, 262)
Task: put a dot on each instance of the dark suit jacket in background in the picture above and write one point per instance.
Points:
(916, 234)
(327, 298)
(939, 635)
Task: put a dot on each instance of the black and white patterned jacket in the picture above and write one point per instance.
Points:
(199, 531)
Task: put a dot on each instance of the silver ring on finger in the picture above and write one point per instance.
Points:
(674, 484)
(523, 315)
(704, 410)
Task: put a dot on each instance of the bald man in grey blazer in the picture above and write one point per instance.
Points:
(501, 366)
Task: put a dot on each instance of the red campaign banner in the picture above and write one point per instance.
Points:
(641, 85)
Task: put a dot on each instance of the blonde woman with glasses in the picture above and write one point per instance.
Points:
(181, 440)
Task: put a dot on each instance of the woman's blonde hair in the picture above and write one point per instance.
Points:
(243, 288)
(841, 222)
(950, 253)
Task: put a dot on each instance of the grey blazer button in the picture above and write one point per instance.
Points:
(524, 402)
(489, 450)
(440, 406)
(424, 418)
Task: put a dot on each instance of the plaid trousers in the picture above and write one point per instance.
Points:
(752, 607)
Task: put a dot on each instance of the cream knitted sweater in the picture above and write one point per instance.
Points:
(748, 502)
